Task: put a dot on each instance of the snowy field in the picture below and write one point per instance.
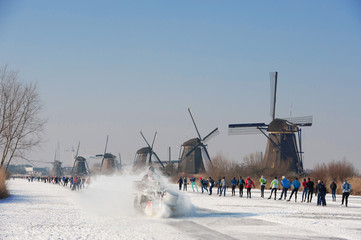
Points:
(105, 211)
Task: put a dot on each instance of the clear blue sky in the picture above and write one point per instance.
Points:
(118, 67)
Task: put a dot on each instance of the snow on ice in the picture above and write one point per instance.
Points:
(104, 210)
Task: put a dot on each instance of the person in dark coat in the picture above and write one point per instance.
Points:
(185, 183)
(333, 187)
(211, 185)
(180, 182)
(321, 197)
(316, 192)
(240, 185)
(203, 184)
(219, 186)
(234, 185)
(310, 185)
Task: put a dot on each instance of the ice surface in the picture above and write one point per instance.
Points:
(105, 211)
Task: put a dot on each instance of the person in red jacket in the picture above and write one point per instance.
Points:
(249, 183)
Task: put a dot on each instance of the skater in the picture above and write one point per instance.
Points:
(185, 183)
(321, 194)
(219, 187)
(304, 191)
(263, 183)
(333, 187)
(180, 182)
(310, 185)
(240, 185)
(211, 185)
(194, 184)
(274, 185)
(223, 186)
(346, 189)
(295, 186)
(316, 192)
(234, 185)
(285, 186)
(203, 184)
(75, 181)
(248, 185)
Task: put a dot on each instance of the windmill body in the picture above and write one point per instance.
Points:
(192, 163)
(195, 151)
(109, 164)
(144, 156)
(57, 170)
(141, 160)
(284, 148)
(80, 166)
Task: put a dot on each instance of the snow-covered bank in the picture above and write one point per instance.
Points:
(104, 211)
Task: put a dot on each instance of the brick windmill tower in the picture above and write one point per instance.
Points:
(109, 163)
(195, 154)
(80, 166)
(144, 156)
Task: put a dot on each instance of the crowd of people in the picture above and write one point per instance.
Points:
(309, 188)
(73, 183)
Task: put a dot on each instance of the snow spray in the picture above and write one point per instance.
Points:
(113, 196)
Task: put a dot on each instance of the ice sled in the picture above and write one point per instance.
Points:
(154, 199)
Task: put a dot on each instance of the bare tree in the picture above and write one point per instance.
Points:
(21, 125)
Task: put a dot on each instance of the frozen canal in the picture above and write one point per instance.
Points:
(105, 211)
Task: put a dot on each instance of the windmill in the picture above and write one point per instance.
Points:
(80, 166)
(108, 165)
(143, 157)
(57, 170)
(192, 159)
(284, 148)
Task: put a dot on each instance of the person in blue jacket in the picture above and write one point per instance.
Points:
(346, 189)
(295, 186)
(285, 183)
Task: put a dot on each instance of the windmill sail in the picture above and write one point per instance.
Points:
(246, 128)
(300, 121)
(211, 135)
(273, 81)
